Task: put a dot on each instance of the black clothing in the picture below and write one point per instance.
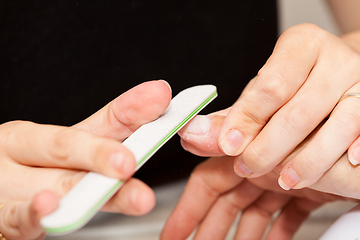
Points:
(63, 60)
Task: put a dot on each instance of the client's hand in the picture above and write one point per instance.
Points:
(299, 87)
(214, 194)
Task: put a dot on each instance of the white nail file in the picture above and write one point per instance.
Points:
(82, 202)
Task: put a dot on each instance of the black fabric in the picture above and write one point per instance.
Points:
(63, 60)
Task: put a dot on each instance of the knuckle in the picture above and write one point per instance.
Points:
(311, 164)
(59, 144)
(273, 86)
(306, 30)
(297, 119)
(9, 131)
(68, 181)
(199, 176)
(11, 223)
(66, 184)
(257, 159)
(308, 36)
(101, 149)
(348, 122)
(252, 117)
(261, 210)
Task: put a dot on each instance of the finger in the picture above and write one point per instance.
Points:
(210, 179)
(121, 117)
(20, 220)
(256, 217)
(303, 112)
(224, 211)
(275, 84)
(354, 152)
(60, 181)
(341, 179)
(291, 218)
(134, 198)
(200, 136)
(53, 146)
(326, 147)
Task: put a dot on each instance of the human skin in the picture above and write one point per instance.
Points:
(297, 89)
(214, 195)
(289, 129)
(40, 163)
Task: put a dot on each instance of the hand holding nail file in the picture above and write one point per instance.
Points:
(83, 201)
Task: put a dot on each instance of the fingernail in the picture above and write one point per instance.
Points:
(166, 83)
(232, 141)
(354, 156)
(120, 163)
(288, 179)
(241, 169)
(200, 125)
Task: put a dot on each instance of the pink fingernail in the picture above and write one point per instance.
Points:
(288, 179)
(166, 83)
(241, 169)
(231, 142)
(200, 125)
(354, 156)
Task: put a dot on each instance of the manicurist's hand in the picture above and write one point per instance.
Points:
(306, 81)
(40, 163)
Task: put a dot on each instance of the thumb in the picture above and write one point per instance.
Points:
(21, 220)
(200, 136)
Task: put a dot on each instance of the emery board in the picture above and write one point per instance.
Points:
(83, 201)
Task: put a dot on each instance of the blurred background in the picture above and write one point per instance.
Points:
(108, 226)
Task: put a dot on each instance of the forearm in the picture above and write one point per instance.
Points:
(346, 13)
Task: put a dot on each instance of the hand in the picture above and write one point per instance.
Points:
(36, 157)
(214, 196)
(298, 88)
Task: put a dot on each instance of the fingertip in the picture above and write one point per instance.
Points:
(142, 201)
(44, 203)
(354, 156)
(142, 104)
(161, 90)
(199, 125)
(134, 198)
(288, 178)
(231, 143)
(123, 163)
(241, 169)
(167, 84)
(200, 135)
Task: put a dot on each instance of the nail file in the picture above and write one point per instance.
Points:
(82, 202)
